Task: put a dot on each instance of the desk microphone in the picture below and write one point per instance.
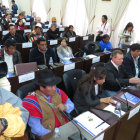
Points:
(128, 108)
(75, 124)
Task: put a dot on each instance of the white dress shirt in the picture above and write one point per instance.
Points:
(96, 89)
(9, 60)
(117, 67)
(104, 27)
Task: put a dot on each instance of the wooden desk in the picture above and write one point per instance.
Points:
(58, 71)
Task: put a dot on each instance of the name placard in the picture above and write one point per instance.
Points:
(26, 77)
(27, 45)
(72, 39)
(69, 67)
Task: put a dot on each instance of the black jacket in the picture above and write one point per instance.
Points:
(129, 66)
(69, 34)
(52, 34)
(82, 101)
(36, 56)
(115, 78)
(16, 57)
(17, 37)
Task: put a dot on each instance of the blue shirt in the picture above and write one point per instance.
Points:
(104, 45)
(35, 123)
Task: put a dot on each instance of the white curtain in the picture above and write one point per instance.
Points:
(6, 3)
(39, 8)
(90, 9)
(75, 14)
(130, 15)
(119, 9)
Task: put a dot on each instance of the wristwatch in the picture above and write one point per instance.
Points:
(4, 123)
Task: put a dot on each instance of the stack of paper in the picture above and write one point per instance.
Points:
(91, 123)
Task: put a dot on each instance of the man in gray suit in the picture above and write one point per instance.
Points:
(10, 55)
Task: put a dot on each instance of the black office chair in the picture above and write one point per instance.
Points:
(71, 79)
(97, 64)
(92, 47)
(23, 91)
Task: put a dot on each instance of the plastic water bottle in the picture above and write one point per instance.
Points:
(56, 135)
(105, 50)
(84, 56)
(51, 61)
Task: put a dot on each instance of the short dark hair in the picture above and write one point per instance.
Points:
(10, 42)
(105, 16)
(70, 26)
(135, 47)
(10, 26)
(19, 21)
(105, 36)
(115, 52)
(40, 39)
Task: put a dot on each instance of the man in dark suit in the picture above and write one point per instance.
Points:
(37, 20)
(53, 33)
(42, 53)
(10, 55)
(131, 62)
(117, 76)
(5, 21)
(13, 35)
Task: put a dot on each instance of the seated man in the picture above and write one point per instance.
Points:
(53, 33)
(54, 21)
(42, 53)
(37, 20)
(13, 35)
(5, 21)
(131, 61)
(13, 117)
(45, 105)
(10, 55)
(36, 33)
(105, 43)
(116, 76)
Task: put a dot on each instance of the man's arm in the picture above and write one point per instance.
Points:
(15, 114)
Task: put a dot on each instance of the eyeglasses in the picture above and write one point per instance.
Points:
(42, 45)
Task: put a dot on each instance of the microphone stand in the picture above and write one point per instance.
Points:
(128, 108)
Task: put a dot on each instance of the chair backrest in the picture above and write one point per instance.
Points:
(92, 47)
(25, 68)
(71, 79)
(97, 64)
(23, 91)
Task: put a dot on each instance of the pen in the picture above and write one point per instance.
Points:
(99, 125)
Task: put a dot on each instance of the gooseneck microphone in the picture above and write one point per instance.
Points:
(128, 108)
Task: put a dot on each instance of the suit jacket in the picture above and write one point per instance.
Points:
(33, 23)
(115, 78)
(83, 99)
(53, 34)
(5, 24)
(17, 37)
(16, 56)
(129, 66)
(36, 56)
(69, 34)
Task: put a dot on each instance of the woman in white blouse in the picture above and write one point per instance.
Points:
(64, 52)
(126, 36)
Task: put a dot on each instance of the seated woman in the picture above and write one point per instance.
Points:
(105, 43)
(64, 52)
(89, 90)
(126, 36)
(70, 32)
(20, 25)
